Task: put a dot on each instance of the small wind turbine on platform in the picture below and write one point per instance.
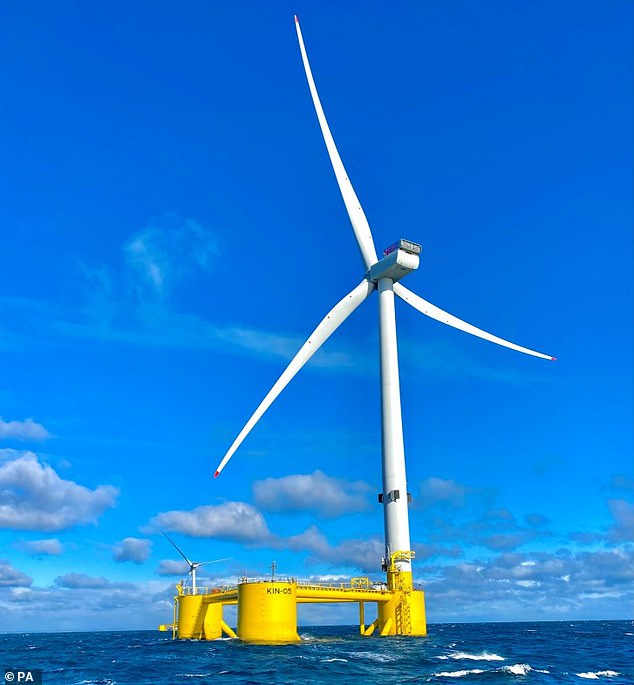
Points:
(383, 275)
(193, 565)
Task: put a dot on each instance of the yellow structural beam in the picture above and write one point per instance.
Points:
(329, 594)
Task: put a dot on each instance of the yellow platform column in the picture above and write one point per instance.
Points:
(191, 617)
(386, 620)
(417, 613)
(267, 612)
(212, 624)
(404, 613)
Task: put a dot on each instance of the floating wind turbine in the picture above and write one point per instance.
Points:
(382, 275)
(193, 565)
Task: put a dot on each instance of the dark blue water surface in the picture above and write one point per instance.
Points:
(531, 653)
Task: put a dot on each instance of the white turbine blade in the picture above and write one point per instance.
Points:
(213, 561)
(435, 313)
(360, 224)
(178, 549)
(335, 317)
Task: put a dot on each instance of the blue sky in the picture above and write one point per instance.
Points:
(172, 232)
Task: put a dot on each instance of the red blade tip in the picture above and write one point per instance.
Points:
(216, 474)
(296, 19)
(553, 359)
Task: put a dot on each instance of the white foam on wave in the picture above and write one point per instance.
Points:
(458, 674)
(329, 661)
(372, 656)
(485, 656)
(194, 675)
(595, 675)
(518, 669)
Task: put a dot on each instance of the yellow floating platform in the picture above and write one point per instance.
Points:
(267, 609)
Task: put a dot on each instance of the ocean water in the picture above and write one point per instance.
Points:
(521, 653)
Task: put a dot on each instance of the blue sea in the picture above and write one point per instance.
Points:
(521, 653)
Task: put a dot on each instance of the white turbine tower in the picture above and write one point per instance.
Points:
(382, 275)
(193, 565)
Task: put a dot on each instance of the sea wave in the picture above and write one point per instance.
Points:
(485, 656)
(192, 675)
(521, 669)
(374, 656)
(514, 669)
(595, 675)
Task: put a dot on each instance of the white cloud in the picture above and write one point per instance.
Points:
(135, 550)
(459, 513)
(169, 567)
(234, 521)
(77, 601)
(620, 482)
(77, 581)
(34, 497)
(49, 547)
(424, 551)
(623, 515)
(435, 491)
(509, 540)
(364, 555)
(328, 497)
(23, 430)
(11, 577)
(532, 586)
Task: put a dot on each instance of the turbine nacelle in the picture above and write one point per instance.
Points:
(400, 258)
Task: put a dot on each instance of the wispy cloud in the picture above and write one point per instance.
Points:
(36, 548)
(441, 359)
(134, 303)
(622, 483)
(167, 250)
